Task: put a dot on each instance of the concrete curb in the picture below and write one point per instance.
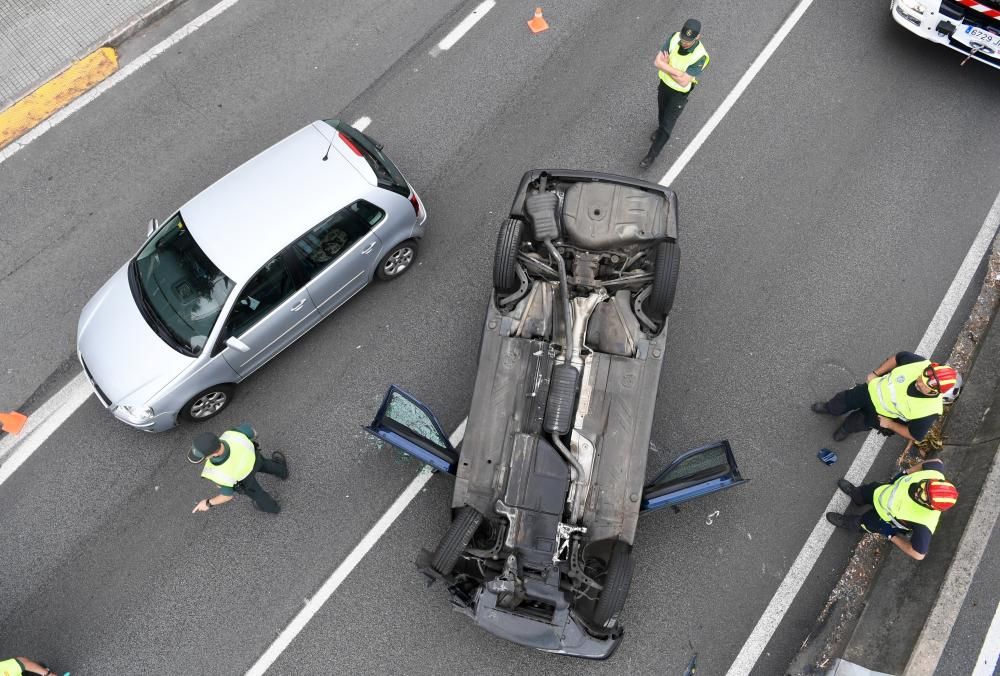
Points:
(835, 628)
(60, 90)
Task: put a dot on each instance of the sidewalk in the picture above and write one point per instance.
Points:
(39, 39)
(873, 622)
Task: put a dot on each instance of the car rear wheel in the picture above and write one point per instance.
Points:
(397, 261)
(616, 584)
(666, 269)
(459, 534)
(208, 403)
(505, 260)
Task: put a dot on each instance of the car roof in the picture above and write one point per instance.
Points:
(242, 220)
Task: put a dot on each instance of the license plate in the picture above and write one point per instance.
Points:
(977, 38)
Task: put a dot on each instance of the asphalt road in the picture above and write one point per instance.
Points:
(822, 223)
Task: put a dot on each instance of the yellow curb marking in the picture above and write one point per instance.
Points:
(56, 93)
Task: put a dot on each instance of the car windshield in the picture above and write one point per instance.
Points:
(178, 288)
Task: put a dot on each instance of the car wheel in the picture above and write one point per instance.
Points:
(666, 269)
(505, 260)
(459, 534)
(208, 403)
(616, 584)
(397, 261)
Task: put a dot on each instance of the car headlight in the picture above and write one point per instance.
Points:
(136, 415)
(913, 6)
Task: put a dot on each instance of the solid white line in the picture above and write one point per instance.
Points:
(463, 27)
(41, 424)
(107, 84)
(804, 562)
(735, 94)
(933, 637)
(299, 622)
(989, 656)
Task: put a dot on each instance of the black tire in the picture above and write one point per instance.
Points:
(505, 260)
(666, 269)
(563, 385)
(397, 261)
(208, 403)
(616, 584)
(459, 534)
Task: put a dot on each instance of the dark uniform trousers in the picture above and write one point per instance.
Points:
(670, 104)
(249, 486)
(859, 400)
(870, 520)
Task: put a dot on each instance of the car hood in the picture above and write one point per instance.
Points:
(127, 361)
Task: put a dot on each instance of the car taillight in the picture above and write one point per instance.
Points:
(349, 143)
(415, 203)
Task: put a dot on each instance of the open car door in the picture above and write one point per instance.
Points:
(407, 424)
(697, 472)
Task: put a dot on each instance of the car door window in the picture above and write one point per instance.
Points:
(330, 239)
(265, 291)
(698, 472)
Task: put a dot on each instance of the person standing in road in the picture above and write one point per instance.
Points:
(15, 666)
(910, 505)
(680, 61)
(904, 396)
(233, 460)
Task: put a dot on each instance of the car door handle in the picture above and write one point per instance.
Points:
(298, 306)
(368, 250)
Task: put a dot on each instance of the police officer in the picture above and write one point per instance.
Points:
(15, 666)
(910, 505)
(233, 460)
(680, 61)
(904, 396)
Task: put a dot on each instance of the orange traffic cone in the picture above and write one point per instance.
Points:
(538, 23)
(13, 421)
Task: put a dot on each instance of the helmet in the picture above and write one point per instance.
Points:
(951, 395)
(941, 495)
(947, 377)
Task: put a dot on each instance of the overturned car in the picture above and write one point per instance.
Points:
(550, 478)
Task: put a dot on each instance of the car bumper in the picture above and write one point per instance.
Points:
(160, 422)
(564, 635)
(936, 27)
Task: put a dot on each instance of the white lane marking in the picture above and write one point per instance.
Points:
(804, 562)
(734, 95)
(299, 622)
(14, 450)
(933, 637)
(362, 123)
(463, 27)
(989, 656)
(107, 84)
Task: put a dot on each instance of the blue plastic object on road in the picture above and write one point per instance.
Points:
(827, 456)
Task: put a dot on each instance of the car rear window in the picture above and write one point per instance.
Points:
(386, 173)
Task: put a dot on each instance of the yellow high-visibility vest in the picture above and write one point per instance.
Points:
(237, 466)
(894, 504)
(682, 62)
(888, 394)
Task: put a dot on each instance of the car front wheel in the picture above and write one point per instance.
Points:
(397, 261)
(208, 403)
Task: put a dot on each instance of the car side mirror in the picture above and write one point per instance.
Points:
(153, 225)
(237, 344)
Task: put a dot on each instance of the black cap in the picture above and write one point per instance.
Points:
(691, 30)
(204, 444)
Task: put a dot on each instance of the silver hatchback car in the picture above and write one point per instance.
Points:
(242, 270)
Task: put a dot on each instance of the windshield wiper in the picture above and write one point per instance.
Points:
(148, 312)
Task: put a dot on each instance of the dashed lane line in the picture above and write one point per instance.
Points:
(463, 27)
